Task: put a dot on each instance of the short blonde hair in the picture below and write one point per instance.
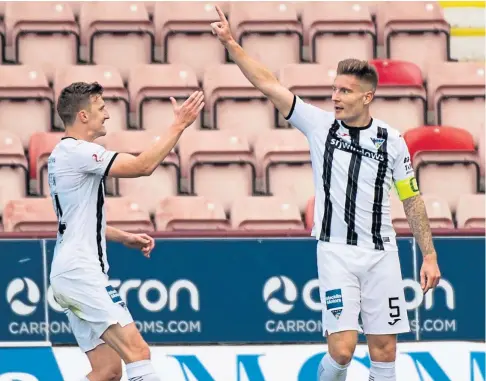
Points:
(363, 70)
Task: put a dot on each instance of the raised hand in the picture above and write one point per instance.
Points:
(221, 28)
(186, 114)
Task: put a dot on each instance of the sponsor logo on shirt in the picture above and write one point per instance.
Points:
(352, 148)
(97, 159)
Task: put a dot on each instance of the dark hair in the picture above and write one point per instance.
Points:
(75, 97)
(363, 70)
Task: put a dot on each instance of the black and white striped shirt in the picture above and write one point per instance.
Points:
(354, 170)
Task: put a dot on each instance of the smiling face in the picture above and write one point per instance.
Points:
(94, 116)
(353, 91)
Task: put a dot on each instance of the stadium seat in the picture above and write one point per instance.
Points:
(118, 34)
(265, 213)
(190, 213)
(438, 212)
(456, 93)
(339, 28)
(232, 100)
(147, 190)
(400, 99)
(183, 28)
(415, 31)
(126, 214)
(269, 31)
(40, 147)
(309, 213)
(470, 211)
(312, 82)
(26, 101)
(150, 87)
(217, 165)
(482, 154)
(115, 94)
(13, 168)
(445, 161)
(284, 166)
(34, 214)
(42, 33)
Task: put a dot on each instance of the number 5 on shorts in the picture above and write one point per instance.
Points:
(394, 310)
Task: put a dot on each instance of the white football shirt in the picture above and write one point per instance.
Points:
(76, 170)
(354, 170)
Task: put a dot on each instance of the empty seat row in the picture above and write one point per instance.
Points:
(470, 212)
(455, 92)
(123, 33)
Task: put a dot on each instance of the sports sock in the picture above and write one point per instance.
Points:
(141, 371)
(330, 370)
(382, 371)
(85, 379)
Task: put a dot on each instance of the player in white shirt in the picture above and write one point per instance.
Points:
(99, 318)
(356, 159)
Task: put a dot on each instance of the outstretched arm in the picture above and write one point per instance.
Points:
(142, 241)
(262, 78)
(126, 165)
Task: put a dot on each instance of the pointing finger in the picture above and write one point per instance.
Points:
(222, 17)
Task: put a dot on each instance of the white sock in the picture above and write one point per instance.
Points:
(85, 379)
(382, 371)
(330, 370)
(141, 371)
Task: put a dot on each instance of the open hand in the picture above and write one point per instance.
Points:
(186, 114)
(143, 242)
(221, 28)
(429, 273)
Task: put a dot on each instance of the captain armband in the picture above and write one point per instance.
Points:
(407, 188)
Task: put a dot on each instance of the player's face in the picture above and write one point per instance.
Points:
(350, 97)
(97, 116)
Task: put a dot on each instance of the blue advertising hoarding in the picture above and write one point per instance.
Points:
(237, 290)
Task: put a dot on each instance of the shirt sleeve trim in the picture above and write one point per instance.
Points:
(292, 108)
(110, 164)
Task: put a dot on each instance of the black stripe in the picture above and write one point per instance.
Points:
(292, 108)
(99, 220)
(352, 190)
(110, 164)
(379, 190)
(326, 179)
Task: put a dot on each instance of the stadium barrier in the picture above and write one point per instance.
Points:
(236, 290)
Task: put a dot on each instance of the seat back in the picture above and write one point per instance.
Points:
(471, 211)
(29, 215)
(190, 213)
(126, 214)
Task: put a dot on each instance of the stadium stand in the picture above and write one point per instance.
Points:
(240, 166)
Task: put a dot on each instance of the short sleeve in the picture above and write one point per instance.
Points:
(306, 117)
(403, 173)
(93, 158)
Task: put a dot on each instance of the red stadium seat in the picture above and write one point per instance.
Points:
(445, 161)
(339, 28)
(312, 82)
(164, 181)
(438, 212)
(400, 98)
(268, 31)
(309, 213)
(150, 87)
(190, 213)
(30, 215)
(115, 94)
(183, 28)
(13, 168)
(231, 100)
(26, 101)
(217, 165)
(118, 34)
(126, 214)
(456, 93)
(416, 31)
(471, 211)
(40, 147)
(265, 213)
(42, 33)
(283, 165)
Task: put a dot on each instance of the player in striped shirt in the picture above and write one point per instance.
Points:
(356, 159)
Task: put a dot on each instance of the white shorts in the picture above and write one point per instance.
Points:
(92, 306)
(354, 280)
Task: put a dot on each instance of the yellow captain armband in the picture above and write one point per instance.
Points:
(407, 188)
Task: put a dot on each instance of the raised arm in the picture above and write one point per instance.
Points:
(126, 165)
(262, 78)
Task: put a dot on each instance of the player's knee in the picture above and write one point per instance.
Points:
(383, 351)
(341, 354)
